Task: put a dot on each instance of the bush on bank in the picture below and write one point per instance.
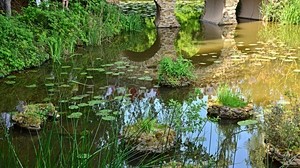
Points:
(39, 33)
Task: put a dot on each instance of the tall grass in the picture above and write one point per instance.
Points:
(229, 98)
(283, 11)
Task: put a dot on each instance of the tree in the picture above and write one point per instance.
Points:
(6, 6)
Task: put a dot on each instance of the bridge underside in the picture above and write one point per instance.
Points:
(223, 12)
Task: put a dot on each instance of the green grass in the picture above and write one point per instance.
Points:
(174, 72)
(229, 98)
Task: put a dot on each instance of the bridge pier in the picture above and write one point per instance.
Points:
(220, 12)
(165, 14)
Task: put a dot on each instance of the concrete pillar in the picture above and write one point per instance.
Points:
(221, 12)
(165, 13)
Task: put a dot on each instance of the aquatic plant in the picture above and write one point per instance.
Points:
(282, 133)
(31, 36)
(175, 72)
(284, 11)
(227, 97)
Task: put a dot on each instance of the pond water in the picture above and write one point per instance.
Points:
(260, 61)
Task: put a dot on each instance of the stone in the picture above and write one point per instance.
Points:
(34, 115)
(224, 112)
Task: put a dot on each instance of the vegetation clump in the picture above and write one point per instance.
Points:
(34, 115)
(42, 32)
(282, 131)
(284, 11)
(175, 72)
(147, 135)
(229, 98)
(229, 105)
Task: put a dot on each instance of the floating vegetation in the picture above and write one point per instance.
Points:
(64, 73)
(108, 73)
(89, 77)
(75, 115)
(64, 86)
(49, 84)
(108, 118)
(31, 86)
(83, 73)
(103, 112)
(51, 90)
(11, 77)
(296, 70)
(77, 98)
(50, 78)
(63, 101)
(95, 102)
(73, 107)
(10, 82)
(66, 67)
(247, 122)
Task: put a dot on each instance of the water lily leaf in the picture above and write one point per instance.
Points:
(10, 82)
(64, 73)
(75, 115)
(296, 70)
(89, 77)
(73, 107)
(49, 84)
(66, 67)
(11, 77)
(108, 118)
(31, 86)
(108, 73)
(94, 102)
(83, 73)
(83, 105)
(51, 90)
(63, 101)
(247, 122)
(97, 97)
(64, 86)
(77, 98)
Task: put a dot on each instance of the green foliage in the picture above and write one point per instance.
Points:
(19, 49)
(282, 127)
(284, 11)
(229, 98)
(28, 37)
(175, 72)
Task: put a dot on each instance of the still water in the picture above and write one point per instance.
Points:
(260, 61)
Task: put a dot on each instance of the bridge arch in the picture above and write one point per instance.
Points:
(222, 12)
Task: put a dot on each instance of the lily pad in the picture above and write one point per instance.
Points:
(10, 82)
(11, 77)
(49, 84)
(73, 107)
(108, 118)
(247, 122)
(31, 86)
(75, 115)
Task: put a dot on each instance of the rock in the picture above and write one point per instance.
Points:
(225, 112)
(160, 140)
(34, 115)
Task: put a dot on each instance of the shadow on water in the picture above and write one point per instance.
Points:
(226, 54)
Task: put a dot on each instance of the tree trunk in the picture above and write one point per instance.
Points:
(6, 6)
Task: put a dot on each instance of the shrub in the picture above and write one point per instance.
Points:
(229, 98)
(178, 72)
(19, 48)
(282, 128)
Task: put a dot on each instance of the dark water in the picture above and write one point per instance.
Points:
(258, 60)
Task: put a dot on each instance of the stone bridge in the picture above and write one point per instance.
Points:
(221, 12)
